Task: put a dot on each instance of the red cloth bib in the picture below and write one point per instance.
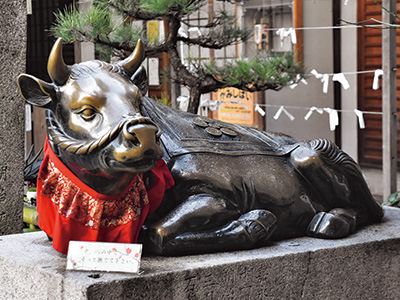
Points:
(69, 210)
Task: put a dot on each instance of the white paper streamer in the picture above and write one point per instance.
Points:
(342, 79)
(183, 102)
(284, 33)
(325, 81)
(278, 113)
(258, 109)
(283, 109)
(182, 33)
(195, 29)
(290, 116)
(215, 104)
(312, 109)
(298, 79)
(281, 32)
(333, 118)
(316, 74)
(375, 84)
(304, 81)
(360, 117)
(182, 98)
(293, 35)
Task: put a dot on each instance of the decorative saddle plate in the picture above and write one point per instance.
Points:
(184, 133)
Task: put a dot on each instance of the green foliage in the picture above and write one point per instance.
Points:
(164, 6)
(393, 200)
(103, 52)
(71, 24)
(164, 99)
(125, 33)
(277, 71)
(96, 25)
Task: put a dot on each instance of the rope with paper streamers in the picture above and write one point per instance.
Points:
(284, 33)
(341, 78)
(214, 105)
(291, 32)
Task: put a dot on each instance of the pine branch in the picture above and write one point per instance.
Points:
(257, 74)
(362, 24)
(387, 10)
(211, 42)
(133, 10)
(177, 8)
(222, 32)
(97, 26)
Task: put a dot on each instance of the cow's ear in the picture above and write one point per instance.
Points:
(35, 91)
(140, 80)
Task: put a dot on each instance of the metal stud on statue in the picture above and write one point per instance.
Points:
(118, 164)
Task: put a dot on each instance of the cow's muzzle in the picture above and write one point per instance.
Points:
(140, 140)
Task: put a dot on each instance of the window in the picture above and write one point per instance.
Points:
(266, 17)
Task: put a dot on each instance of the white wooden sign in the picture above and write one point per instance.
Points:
(108, 257)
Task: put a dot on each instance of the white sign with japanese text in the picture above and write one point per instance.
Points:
(109, 257)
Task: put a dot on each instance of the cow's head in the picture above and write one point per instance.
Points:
(94, 117)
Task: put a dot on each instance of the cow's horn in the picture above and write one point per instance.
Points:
(57, 69)
(133, 61)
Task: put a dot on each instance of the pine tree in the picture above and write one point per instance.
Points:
(200, 77)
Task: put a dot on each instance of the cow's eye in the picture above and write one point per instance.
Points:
(87, 113)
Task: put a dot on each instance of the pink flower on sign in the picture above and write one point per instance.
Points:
(114, 250)
(136, 255)
(128, 251)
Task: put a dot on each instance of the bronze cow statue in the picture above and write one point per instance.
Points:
(235, 187)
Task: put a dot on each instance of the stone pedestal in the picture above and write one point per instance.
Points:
(12, 108)
(363, 266)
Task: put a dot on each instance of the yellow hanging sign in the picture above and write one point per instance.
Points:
(152, 31)
(237, 106)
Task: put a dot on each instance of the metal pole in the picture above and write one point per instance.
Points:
(389, 107)
(337, 66)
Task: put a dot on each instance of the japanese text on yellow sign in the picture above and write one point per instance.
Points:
(237, 106)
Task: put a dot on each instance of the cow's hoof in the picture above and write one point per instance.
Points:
(259, 224)
(330, 225)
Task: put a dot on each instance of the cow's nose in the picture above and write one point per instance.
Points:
(130, 135)
(142, 140)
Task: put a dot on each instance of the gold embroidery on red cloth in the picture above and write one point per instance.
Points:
(80, 206)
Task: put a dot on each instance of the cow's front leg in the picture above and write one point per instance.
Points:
(205, 223)
(249, 230)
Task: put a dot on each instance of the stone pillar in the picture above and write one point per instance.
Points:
(12, 124)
